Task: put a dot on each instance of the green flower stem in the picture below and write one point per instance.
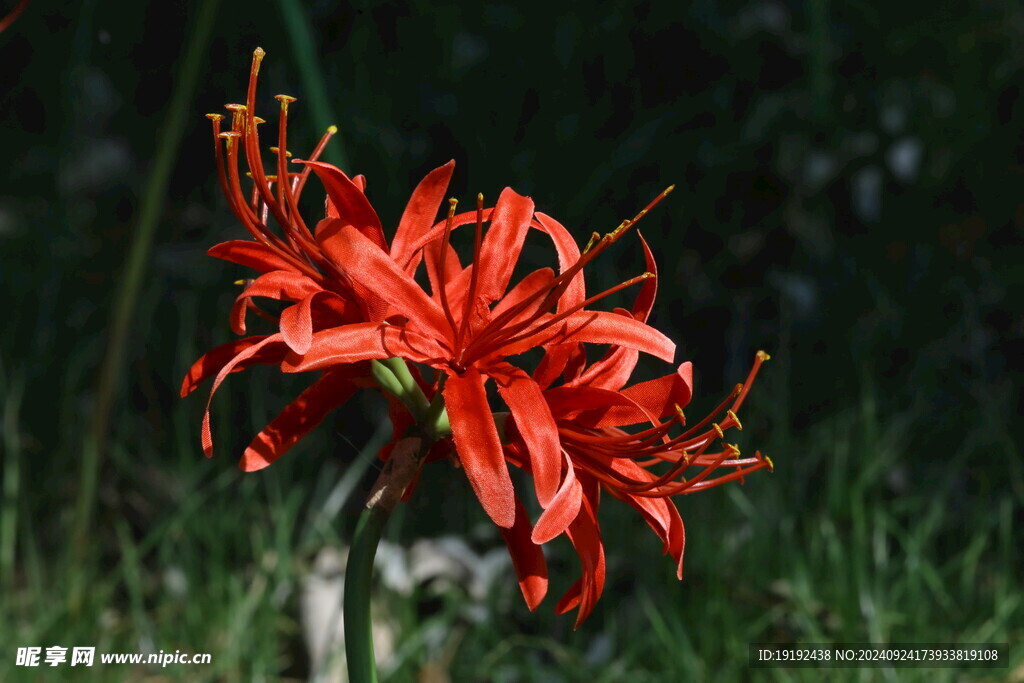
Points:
(398, 473)
(362, 666)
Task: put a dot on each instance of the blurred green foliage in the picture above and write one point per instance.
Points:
(848, 198)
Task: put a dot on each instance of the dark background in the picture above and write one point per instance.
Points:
(848, 197)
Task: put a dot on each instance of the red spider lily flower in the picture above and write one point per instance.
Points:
(475, 321)
(596, 424)
(301, 268)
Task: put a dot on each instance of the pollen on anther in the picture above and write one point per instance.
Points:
(234, 107)
(277, 150)
(762, 356)
(332, 129)
(718, 430)
(215, 117)
(736, 420)
(285, 98)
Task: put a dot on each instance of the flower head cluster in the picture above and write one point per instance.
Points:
(351, 304)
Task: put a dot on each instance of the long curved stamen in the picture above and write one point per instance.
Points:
(317, 151)
(441, 265)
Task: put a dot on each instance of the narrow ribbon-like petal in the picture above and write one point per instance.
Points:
(362, 341)
(503, 242)
(537, 427)
(250, 254)
(206, 436)
(297, 420)
(599, 327)
(478, 445)
(351, 204)
(527, 558)
(562, 510)
(211, 363)
(421, 211)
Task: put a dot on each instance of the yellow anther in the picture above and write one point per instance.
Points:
(331, 130)
(668, 190)
(594, 236)
(679, 413)
(215, 117)
(277, 150)
(718, 430)
(259, 53)
(235, 107)
(734, 450)
(229, 134)
(480, 198)
(736, 420)
(647, 276)
(257, 120)
(762, 356)
(771, 465)
(244, 282)
(285, 99)
(452, 203)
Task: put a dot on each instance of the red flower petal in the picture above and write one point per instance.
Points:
(503, 242)
(420, 213)
(660, 396)
(297, 420)
(297, 325)
(351, 204)
(613, 371)
(206, 436)
(362, 341)
(281, 285)
(250, 254)
(535, 424)
(479, 446)
(585, 535)
(599, 327)
(374, 269)
(527, 558)
(211, 363)
(562, 509)
(568, 255)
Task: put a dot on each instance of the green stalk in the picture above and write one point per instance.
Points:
(151, 206)
(399, 471)
(362, 665)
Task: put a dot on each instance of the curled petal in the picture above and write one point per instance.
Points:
(561, 510)
(206, 436)
(211, 363)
